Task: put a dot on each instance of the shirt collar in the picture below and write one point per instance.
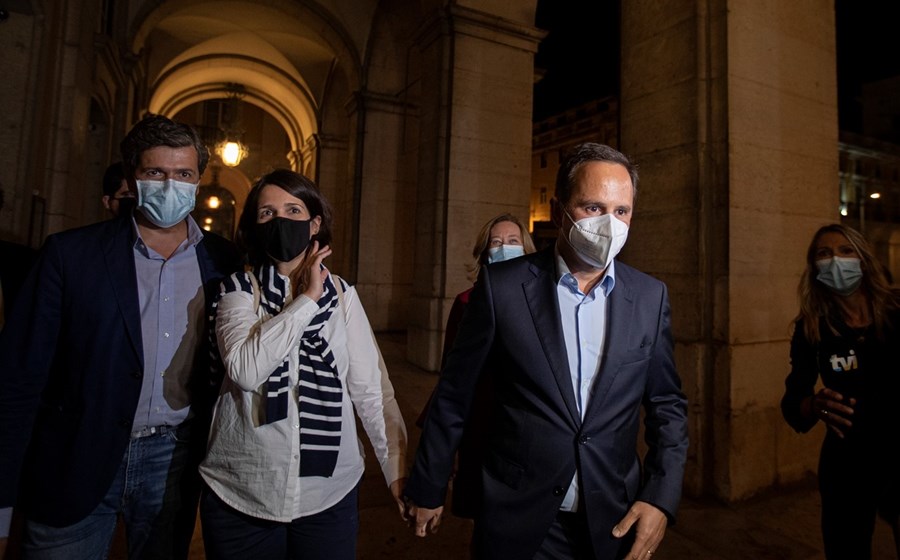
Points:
(194, 234)
(565, 277)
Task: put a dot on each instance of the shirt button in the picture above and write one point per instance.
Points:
(558, 490)
(166, 298)
(166, 335)
(583, 439)
(296, 426)
(162, 373)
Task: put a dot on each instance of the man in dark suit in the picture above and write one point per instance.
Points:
(105, 370)
(577, 343)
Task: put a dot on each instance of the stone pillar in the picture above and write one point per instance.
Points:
(387, 217)
(328, 159)
(730, 110)
(474, 154)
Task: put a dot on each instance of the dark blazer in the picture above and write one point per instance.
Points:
(71, 363)
(536, 436)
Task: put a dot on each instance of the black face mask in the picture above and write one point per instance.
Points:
(284, 239)
(126, 205)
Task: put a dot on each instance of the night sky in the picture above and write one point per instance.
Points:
(580, 55)
(868, 47)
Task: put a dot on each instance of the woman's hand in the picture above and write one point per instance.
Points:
(397, 492)
(830, 407)
(309, 278)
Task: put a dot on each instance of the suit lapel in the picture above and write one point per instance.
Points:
(118, 252)
(540, 294)
(618, 325)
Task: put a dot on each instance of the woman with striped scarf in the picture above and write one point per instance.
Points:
(284, 461)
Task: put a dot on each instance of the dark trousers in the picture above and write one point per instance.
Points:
(231, 535)
(568, 538)
(856, 487)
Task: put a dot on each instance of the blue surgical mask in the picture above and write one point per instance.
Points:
(842, 275)
(504, 253)
(165, 203)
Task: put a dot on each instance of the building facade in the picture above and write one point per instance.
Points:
(414, 117)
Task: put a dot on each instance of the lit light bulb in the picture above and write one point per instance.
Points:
(232, 153)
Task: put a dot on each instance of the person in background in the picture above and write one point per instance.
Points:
(284, 460)
(579, 349)
(117, 195)
(105, 367)
(502, 238)
(16, 260)
(846, 337)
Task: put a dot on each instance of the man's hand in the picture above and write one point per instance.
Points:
(397, 492)
(651, 527)
(423, 519)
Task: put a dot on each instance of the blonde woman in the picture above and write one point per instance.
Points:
(845, 338)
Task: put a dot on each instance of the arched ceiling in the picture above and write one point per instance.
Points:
(285, 53)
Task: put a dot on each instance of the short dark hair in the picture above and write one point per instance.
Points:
(584, 153)
(294, 184)
(156, 130)
(112, 179)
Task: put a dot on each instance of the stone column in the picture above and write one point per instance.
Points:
(387, 218)
(474, 154)
(730, 110)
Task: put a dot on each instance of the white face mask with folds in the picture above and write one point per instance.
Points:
(842, 275)
(165, 203)
(597, 239)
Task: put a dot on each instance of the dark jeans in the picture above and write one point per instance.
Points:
(155, 491)
(231, 535)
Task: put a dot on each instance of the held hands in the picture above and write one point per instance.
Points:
(830, 407)
(309, 278)
(423, 520)
(651, 527)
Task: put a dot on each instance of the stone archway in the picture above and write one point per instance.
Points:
(294, 63)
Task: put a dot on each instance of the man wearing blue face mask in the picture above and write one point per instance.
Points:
(105, 375)
(576, 344)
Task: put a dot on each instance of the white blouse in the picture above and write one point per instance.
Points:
(254, 467)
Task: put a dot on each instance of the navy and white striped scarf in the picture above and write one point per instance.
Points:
(320, 393)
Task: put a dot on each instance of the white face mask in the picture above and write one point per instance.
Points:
(598, 239)
(842, 275)
(504, 253)
(165, 203)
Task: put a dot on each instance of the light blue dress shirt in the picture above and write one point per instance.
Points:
(584, 318)
(172, 304)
